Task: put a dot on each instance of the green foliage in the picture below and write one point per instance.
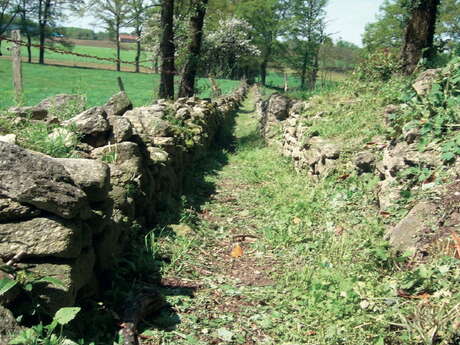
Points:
(435, 115)
(388, 29)
(379, 65)
(6, 285)
(45, 335)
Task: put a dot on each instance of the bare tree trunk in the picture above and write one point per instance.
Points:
(44, 7)
(167, 49)
(313, 73)
(420, 31)
(156, 68)
(264, 65)
(29, 47)
(117, 33)
(187, 87)
(1, 54)
(303, 72)
(138, 51)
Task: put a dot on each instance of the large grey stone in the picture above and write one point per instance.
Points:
(278, 106)
(8, 138)
(365, 162)
(41, 237)
(61, 102)
(56, 104)
(8, 325)
(407, 234)
(148, 124)
(93, 125)
(11, 210)
(90, 121)
(122, 129)
(118, 104)
(424, 81)
(92, 176)
(40, 181)
(73, 276)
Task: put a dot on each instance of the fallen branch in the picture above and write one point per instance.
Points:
(136, 309)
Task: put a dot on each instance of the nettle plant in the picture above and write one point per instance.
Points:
(436, 116)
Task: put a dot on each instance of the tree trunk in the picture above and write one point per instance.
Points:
(43, 11)
(187, 87)
(263, 72)
(138, 51)
(167, 49)
(313, 73)
(303, 71)
(156, 59)
(264, 64)
(41, 57)
(420, 31)
(29, 47)
(117, 33)
(1, 54)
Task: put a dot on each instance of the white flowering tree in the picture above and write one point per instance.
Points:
(229, 51)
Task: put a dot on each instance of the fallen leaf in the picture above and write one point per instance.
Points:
(339, 230)
(311, 333)
(296, 220)
(237, 251)
(385, 214)
(456, 239)
(403, 294)
(344, 177)
(430, 179)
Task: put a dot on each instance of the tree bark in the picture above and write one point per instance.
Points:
(167, 49)
(419, 35)
(138, 51)
(303, 72)
(43, 11)
(29, 47)
(117, 33)
(187, 87)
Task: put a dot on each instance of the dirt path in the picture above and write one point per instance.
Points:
(222, 272)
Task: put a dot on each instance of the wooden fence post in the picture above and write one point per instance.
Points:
(120, 84)
(17, 65)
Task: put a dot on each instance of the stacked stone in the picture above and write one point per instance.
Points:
(282, 122)
(71, 217)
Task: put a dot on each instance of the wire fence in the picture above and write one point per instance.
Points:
(67, 52)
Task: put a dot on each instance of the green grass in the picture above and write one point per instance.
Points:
(97, 85)
(335, 279)
(103, 52)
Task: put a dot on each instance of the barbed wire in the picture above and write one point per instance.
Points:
(67, 52)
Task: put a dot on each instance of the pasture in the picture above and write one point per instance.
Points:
(97, 85)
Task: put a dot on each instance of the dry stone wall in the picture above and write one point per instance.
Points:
(71, 217)
(284, 122)
(281, 123)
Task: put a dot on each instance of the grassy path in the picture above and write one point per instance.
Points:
(230, 293)
(299, 277)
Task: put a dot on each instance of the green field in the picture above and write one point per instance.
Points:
(97, 85)
(103, 52)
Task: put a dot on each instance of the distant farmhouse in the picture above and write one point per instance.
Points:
(127, 38)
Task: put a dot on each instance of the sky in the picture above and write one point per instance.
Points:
(346, 19)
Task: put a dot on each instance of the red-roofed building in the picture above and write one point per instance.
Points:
(127, 38)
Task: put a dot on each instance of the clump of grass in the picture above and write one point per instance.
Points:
(37, 136)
